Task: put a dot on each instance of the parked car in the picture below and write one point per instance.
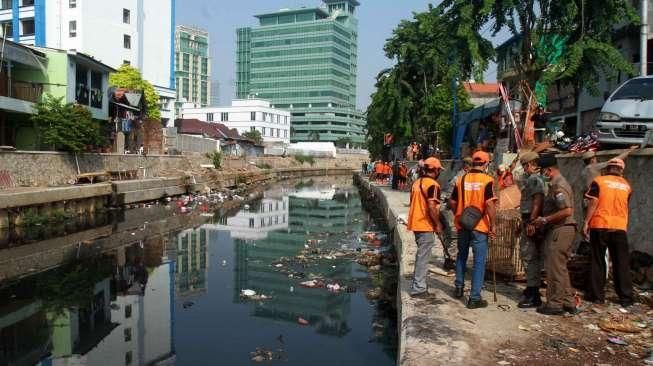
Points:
(627, 114)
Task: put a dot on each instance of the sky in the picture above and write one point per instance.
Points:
(221, 18)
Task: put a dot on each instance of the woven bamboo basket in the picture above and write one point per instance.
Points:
(504, 250)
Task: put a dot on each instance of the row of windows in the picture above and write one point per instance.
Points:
(6, 4)
(302, 40)
(299, 84)
(273, 131)
(287, 74)
(303, 62)
(27, 27)
(309, 94)
(302, 29)
(276, 221)
(267, 117)
(301, 51)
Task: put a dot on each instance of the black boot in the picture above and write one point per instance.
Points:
(458, 292)
(530, 298)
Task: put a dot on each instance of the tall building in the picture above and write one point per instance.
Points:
(305, 60)
(137, 32)
(192, 66)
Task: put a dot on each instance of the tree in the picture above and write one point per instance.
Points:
(130, 78)
(253, 135)
(66, 126)
(585, 29)
(414, 98)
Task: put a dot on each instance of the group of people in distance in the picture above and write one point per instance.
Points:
(463, 217)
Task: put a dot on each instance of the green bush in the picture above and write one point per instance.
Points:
(216, 158)
(305, 159)
(264, 166)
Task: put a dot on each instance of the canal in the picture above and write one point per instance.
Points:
(302, 275)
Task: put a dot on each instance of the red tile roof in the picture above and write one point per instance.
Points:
(476, 88)
(214, 130)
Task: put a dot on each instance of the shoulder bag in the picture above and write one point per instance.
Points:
(471, 216)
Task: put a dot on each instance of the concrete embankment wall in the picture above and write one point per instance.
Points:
(17, 204)
(401, 237)
(639, 172)
(53, 169)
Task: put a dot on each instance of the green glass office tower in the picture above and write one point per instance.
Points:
(192, 66)
(305, 60)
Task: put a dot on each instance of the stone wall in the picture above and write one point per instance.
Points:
(639, 172)
(51, 169)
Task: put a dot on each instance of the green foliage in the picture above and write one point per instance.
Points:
(72, 285)
(32, 218)
(216, 158)
(300, 158)
(66, 126)
(587, 28)
(414, 98)
(264, 166)
(130, 78)
(254, 135)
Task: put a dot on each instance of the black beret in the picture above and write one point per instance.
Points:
(547, 161)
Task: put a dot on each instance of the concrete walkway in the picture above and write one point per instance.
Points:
(440, 330)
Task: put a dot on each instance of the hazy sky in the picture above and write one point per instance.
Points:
(377, 19)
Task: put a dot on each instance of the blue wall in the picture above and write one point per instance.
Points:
(16, 21)
(39, 23)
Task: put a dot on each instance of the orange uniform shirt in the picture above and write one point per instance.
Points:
(477, 192)
(613, 193)
(423, 190)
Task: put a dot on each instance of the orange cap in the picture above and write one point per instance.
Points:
(433, 163)
(481, 157)
(617, 162)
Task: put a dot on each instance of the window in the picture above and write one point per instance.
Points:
(7, 28)
(28, 2)
(128, 358)
(265, 116)
(278, 133)
(263, 133)
(251, 222)
(186, 62)
(81, 85)
(128, 311)
(125, 16)
(252, 128)
(5, 4)
(262, 222)
(209, 117)
(96, 89)
(127, 41)
(224, 116)
(285, 133)
(126, 62)
(27, 26)
(72, 29)
(72, 4)
(128, 334)
(252, 116)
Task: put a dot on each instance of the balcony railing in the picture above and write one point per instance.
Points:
(30, 92)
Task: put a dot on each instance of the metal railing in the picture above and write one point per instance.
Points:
(30, 92)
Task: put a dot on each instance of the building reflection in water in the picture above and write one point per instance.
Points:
(263, 235)
(115, 309)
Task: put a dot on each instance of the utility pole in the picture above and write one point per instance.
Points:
(643, 45)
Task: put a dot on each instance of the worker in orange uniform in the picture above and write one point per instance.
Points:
(403, 175)
(424, 222)
(473, 201)
(606, 225)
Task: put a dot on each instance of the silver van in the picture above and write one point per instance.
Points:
(627, 114)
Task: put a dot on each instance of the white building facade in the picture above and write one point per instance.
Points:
(247, 115)
(137, 32)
